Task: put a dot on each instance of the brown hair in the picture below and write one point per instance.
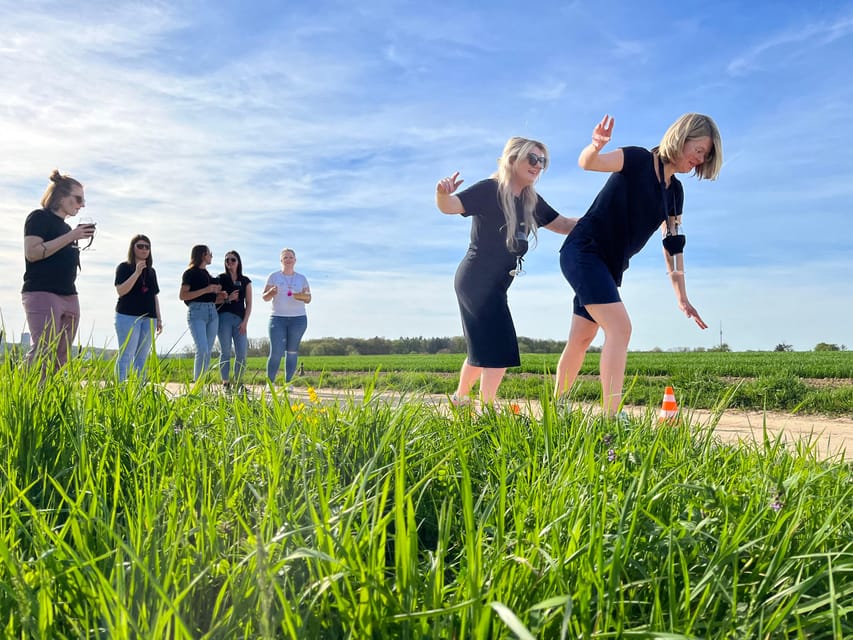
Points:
(131, 256)
(60, 187)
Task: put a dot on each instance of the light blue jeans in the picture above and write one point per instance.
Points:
(229, 330)
(285, 335)
(203, 321)
(134, 335)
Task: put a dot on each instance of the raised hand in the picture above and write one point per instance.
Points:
(602, 132)
(448, 185)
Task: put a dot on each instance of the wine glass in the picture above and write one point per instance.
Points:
(88, 221)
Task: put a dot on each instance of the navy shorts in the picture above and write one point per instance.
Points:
(588, 275)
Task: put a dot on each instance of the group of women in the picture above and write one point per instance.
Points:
(641, 196)
(217, 306)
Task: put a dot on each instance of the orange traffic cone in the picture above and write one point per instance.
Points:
(669, 408)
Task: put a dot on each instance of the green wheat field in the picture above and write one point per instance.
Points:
(131, 511)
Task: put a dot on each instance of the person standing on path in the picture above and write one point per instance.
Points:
(504, 209)
(138, 307)
(234, 315)
(289, 293)
(52, 259)
(641, 196)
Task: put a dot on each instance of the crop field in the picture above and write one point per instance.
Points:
(131, 512)
(805, 382)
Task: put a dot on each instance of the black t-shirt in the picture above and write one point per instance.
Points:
(140, 300)
(628, 210)
(56, 273)
(238, 307)
(198, 278)
(488, 224)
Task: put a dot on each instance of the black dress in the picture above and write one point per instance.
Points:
(482, 278)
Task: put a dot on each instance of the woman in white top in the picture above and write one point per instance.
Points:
(289, 292)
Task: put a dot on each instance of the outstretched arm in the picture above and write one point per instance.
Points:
(591, 158)
(676, 278)
(444, 198)
(561, 224)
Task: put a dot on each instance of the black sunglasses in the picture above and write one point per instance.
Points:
(230, 259)
(142, 245)
(533, 159)
(79, 199)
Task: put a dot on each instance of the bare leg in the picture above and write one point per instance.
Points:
(580, 337)
(468, 375)
(613, 318)
(490, 380)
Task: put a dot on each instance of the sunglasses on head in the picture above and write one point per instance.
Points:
(142, 245)
(230, 259)
(534, 160)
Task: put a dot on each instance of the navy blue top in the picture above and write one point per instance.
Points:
(488, 232)
(57, 272)
(238, 307)
(628, 210)
(141, 300)
(198, 278)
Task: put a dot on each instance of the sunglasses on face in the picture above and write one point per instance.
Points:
(534, 160)
(230, 259)
(142, 245)
(80, 199)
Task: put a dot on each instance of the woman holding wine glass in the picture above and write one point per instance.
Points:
(138, 307)
(200, 291)
(52, 258)
(234, 315)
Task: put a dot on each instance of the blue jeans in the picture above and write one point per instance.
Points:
(134, 343)
(285, 335)
(204, 323)
(229, 330)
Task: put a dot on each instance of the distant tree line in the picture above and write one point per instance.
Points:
(401, 346)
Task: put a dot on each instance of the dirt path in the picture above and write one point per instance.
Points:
(830, 436)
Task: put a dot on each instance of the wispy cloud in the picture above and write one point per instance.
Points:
(257, 128)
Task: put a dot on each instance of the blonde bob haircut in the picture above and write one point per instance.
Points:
(689, 127)
(516, 150)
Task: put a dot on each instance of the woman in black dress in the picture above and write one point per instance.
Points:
(505, 210)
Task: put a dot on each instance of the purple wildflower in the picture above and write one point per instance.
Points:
(611, 455)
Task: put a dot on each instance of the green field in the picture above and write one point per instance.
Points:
(807, 382)
(130, 513)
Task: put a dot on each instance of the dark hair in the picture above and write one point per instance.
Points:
(60, 187)
(197, 255)
(239, 263)
(131, 256)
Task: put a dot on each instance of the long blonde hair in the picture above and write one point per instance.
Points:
(516, 150)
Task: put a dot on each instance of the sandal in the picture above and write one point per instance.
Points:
(456, 401)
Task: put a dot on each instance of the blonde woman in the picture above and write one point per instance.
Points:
(641, 196)
(289, 293)
(505, 210)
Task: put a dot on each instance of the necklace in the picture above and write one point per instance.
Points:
(289, 283)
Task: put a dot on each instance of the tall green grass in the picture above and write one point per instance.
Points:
(126, 512)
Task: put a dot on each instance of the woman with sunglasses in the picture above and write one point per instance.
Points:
(289, 292)
(234, 315)
(642, 195)
(505, 209)
(200, 291)
(138, 307)
(52, 258)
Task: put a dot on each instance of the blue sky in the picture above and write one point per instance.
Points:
(324, 126)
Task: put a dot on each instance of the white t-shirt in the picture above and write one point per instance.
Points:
(283, 304)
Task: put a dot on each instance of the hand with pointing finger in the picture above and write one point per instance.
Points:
(449, 185)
